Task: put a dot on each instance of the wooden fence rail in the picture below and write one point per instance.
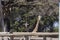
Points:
(28, 35)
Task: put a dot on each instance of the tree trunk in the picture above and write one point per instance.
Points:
(1, 18)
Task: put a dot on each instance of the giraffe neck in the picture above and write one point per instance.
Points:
(36, 27)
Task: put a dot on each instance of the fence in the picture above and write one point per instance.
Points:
(27, 35)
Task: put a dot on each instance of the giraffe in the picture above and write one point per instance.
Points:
(36, 27)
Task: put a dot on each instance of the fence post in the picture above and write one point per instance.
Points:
(50, 38)
(44, 37)
(26, 37)
(11, 37)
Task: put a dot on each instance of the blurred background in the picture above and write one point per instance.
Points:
(22, 15)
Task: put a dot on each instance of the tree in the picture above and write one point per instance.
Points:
(1, 18)
(19, 12)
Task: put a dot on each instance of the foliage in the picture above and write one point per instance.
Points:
(21, 13)
(56, 29)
